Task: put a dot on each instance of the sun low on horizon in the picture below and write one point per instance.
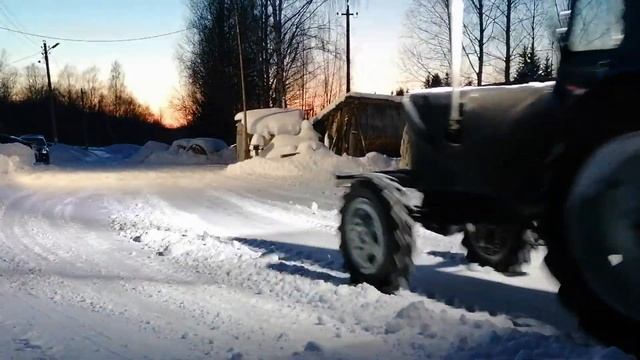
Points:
(150, 66)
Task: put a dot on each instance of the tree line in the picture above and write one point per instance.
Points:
(89, 110)
(505, 41)
(292, 55)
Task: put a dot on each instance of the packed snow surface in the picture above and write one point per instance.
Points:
(116, 259)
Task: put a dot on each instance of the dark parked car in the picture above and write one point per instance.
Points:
(39, 145)
(35, 142)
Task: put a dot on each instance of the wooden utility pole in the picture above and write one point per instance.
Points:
(348, 14)
(84, 119)
(245, 151)
(52, 110)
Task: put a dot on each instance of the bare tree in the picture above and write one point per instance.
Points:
(478, 30)
(116, 89)
(427, 41)
(92, 87)
(67, 84)
(35, 83)
(8, 78)
(508, 35)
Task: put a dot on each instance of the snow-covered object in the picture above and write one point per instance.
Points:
(62, 154)
(320, 165)
(155, 153)
(209, 145)
(342, 98)
(151, 147)
(274, 121)
(305, 141)
(15, 157)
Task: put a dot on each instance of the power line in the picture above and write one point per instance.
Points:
(25, 58)
(13, 21)
(95, 40)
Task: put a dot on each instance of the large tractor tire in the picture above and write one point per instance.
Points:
(372, 233)
(501, 247)
(594, 249)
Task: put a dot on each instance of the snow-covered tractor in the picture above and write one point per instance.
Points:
(559, 159)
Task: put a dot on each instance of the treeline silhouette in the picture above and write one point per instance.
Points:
(88, 111)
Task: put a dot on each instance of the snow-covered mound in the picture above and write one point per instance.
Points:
(273, 121)
(151, 147)
(67, 154)
(305, 141)
(320, 165)
(15, 157)
(117, 151)
(156, 153)
(209, 145)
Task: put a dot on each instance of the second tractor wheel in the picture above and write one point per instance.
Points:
(501, 247)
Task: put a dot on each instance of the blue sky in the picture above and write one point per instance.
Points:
(150, 66)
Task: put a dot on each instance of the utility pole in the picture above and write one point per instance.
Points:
(52, 110)
(348, 14)
(84, 120)
(245, 136)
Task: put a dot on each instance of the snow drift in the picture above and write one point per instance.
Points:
(320, 165)
(179, 153)
(15, 157)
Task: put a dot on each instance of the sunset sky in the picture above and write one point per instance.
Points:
(150, 66)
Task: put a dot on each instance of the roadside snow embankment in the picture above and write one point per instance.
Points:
(15, 157)
(317, 166)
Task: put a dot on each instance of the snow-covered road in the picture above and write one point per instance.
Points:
(198, 262)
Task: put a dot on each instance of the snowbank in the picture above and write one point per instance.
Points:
(320, 165)
(120, 151)
(64, 154)
(305, 141)
(274, 121)
(15, 157)
(210, 145)
(156, 153)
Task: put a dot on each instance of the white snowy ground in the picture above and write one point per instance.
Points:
(118, 260)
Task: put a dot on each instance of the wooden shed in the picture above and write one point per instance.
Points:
(359, 123)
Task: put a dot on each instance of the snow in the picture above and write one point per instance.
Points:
(14, 157)
(305, 141)
(546, 84)
(342, 98)
(123, 260)
(210, 145)
(319, 165)
(272, 121)
(156, 153)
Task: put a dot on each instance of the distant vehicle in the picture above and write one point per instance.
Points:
(35, 142)
(40, 147)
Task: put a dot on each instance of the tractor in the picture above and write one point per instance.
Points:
(560, 160)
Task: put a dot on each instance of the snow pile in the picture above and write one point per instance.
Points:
(15, 157)
(151, 147)
(274, 121)
(181, 152)
(117, 151)
(304, 142)
(169, 232)
(316, 166)
(210, 145)
(68, 154)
